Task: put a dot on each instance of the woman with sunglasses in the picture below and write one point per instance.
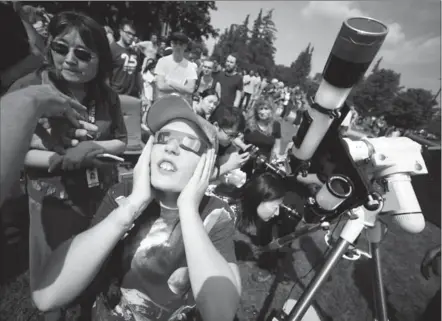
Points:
(65, 187)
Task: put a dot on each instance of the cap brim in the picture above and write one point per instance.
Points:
(173, 107)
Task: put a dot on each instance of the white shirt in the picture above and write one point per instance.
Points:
(180, 72)
(149, 49)
(248, 84)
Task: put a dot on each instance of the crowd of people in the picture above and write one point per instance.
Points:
(132, 250)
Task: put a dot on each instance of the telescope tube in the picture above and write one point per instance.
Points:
(355, 47)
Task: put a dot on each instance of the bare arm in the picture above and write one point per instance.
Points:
(68, 271)
(277, 148)
(114, 146)
(18, 118)
(162, 84)
(218, 89)
(212, 278)
(237, 98)
(187, 88)
(38, 158)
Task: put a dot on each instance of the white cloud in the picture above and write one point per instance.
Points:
(397, 49)
(331, 9)
(413, 51)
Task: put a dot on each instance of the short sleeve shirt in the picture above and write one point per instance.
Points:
(263, 141)
(156, 277)
(179, 72)
(125, 70)
(230, 84)
(61, 204)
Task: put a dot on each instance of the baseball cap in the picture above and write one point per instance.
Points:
(172, 107)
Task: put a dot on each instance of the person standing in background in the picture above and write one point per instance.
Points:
(231, 84)
(174, 73)
(248, 89)
(126, 76)
(256, 89)
(149, 49)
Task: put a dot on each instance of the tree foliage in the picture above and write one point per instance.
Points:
(376, 93)
(254, 48)
(190, 17)
(301, 68)
(412, 109)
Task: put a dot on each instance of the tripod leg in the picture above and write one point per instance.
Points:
(307, 297)
(375, 235)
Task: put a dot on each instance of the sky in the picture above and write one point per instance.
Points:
(412, 46)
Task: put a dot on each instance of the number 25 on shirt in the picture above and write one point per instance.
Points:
(130, 62)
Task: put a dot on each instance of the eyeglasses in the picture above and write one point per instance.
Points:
(187, 142)
(231, 135)
(129, 33)
(63, 49)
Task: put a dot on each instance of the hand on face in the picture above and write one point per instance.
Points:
(191, 196)
(141, 189)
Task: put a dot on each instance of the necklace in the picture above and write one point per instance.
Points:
(168, 208)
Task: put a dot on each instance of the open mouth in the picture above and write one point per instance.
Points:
(167, 166)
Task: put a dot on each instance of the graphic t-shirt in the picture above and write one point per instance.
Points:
(125, 70)
(229, 85)
(155, 282)
(179, 72)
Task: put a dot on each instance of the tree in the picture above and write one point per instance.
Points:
(411, 109)
(190, 17)
(264, 58)
(255, 49)
(374, 95)
(301, 67)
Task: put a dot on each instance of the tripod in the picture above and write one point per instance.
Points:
(361, 219)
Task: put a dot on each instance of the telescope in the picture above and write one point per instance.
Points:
(361, 180)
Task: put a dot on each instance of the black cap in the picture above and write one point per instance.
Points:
(179, 37)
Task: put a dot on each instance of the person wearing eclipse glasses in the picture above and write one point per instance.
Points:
(158, 246)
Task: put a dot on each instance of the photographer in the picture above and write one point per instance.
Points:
(157, 268)
(229, 123)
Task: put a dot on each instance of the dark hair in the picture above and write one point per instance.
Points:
(127, 22)
(92, 34)
(260, 188)
(150, 64)
(228, 117)
(209, 92)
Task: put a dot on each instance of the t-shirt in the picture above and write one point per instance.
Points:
(126, 65)
(248, 84)
(155, 280)
(262, 140)
(62, 205)
(229, 85)
(180, 72)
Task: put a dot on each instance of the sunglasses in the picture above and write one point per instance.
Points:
(187, 142)
(63, 49)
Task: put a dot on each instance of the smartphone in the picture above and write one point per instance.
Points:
(110, 157)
